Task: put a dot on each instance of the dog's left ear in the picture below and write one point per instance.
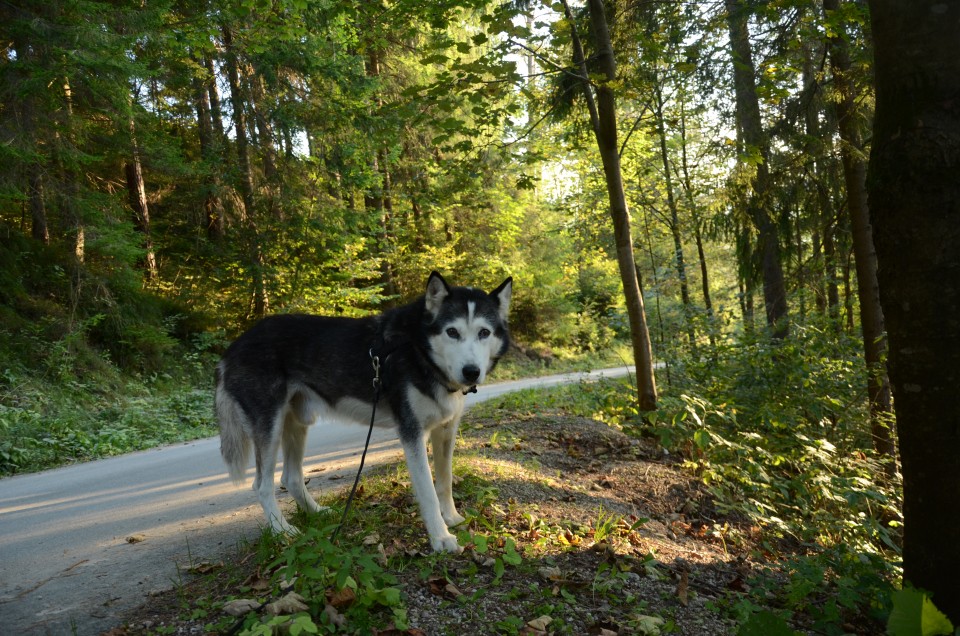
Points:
(437, 290)
(503, 294)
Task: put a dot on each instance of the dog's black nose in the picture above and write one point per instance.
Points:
(471, 373)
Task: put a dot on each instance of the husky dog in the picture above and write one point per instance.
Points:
(289, 371)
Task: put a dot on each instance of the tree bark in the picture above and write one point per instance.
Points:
(758, 207)
(914, 197)
(238, 99)
(39, 229)
(603, 119)
(865, 256)
(137, 196)
(679, 261)
(216, 111)
(239, 102)
(213, 211)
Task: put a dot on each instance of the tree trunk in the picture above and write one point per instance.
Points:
(758, 207)
(137, 195)
(379, 200)
(868, 290)
(28, 117)
(267, 146)
(679, 261)
(238, 99)
(213, 211)
(914, 197)
(603, 118)
(239, 102)
(697, 222)
(216, 112)
(38, 210)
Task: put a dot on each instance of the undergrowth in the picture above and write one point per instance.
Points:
(73, 403)
(779, 436)
(798, 479)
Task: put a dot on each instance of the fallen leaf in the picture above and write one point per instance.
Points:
(371, 539)
(257, 582)
(550, 573)
(240, 606)
(336, 618)
(381, 555)
(649, 625)
(343, 598)
(738, 584)
(682, 586)
(204, 567)
(440, 586)
(289, 604)
(451, 590)
(540, 623)
(599, 630)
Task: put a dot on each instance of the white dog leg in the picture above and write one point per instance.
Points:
(294, 441)
(264, 486)
(443, 439)
(440, 538)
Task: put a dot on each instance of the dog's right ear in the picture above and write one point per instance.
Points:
(503, 294)
(437, 290)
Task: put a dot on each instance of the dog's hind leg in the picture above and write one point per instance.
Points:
(415, 452)
(294, 441)
(266, 450)
(443, 438)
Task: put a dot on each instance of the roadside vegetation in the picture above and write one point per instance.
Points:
(748, 504)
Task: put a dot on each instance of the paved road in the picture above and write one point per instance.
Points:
(81, 545)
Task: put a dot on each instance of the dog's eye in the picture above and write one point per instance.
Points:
(483, 334)
(453, 333)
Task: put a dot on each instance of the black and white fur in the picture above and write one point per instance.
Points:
(289, 371)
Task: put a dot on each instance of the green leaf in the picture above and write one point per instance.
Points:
(480, 544)
(702, 439)
(510, 554)
(914, 614)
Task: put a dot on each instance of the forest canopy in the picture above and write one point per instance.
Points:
(232, 160)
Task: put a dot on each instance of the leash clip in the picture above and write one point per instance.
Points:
(375, 361)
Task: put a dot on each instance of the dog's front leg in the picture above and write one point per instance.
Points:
(415, 451)
(443, 438)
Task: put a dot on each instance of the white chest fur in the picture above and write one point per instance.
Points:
(436, 410)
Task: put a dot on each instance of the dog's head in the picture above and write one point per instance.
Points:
(467, 330)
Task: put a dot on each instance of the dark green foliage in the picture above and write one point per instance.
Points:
(779, 436)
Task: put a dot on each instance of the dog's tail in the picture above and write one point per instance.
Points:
(234, 441)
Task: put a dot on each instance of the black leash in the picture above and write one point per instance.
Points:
(375, 361)
(377, 384)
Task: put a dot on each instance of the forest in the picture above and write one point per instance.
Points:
(754, 201)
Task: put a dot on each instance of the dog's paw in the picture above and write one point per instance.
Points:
(311, 506)
(453, 519)
(283, 527)
(446, 543)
